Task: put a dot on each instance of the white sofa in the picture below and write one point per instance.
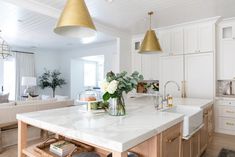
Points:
(9, 110)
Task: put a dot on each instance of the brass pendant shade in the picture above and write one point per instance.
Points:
(150, 43)
(75, 21)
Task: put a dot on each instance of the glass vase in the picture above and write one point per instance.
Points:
(117, 106)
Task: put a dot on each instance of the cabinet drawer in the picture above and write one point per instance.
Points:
(226, 102)
(227, 123)
(226, 111)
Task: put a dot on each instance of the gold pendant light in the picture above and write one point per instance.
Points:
(75, 21)
(150, 43)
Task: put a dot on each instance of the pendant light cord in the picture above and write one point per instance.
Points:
(150, 19)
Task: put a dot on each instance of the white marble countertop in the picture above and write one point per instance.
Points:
(201, 103)
(115, 133)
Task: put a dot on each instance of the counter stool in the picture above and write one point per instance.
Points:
(129, 154)
(1, 141)
(86, 154)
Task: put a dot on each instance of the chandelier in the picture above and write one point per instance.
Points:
(5, 50)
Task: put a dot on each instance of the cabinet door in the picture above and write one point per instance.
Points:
(199, 75)
(190, 39)
(136, 57)
(205, 37)
(210, 124)
(195, 149)
(165, 41)
(177, 41)
(171, 142)
(136, 61)
(171, 70)
(226, 60)
(204, 133)
(186, 147)
(150, 66)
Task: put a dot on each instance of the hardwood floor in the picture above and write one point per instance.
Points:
(219, 141)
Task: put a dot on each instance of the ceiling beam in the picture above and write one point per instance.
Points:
(43, 9)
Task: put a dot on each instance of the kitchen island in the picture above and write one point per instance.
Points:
(143, 130)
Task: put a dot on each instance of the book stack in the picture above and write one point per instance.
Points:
(62, 148)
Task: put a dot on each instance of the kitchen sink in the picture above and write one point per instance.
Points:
(193, 118)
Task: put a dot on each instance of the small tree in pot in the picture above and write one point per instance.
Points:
(51, 79)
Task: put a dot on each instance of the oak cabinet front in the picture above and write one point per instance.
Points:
(171, 142)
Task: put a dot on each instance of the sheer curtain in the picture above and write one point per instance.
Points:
(25, 66)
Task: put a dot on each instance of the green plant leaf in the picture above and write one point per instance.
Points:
(106, 96)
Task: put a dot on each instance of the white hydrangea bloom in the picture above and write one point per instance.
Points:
(112, 87)
(104, 86)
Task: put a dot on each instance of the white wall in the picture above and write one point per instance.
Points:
(69, 59)
(66, 62)
(45, 58)
(48, 59)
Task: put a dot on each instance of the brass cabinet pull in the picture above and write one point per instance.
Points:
(172, 139)
(231, 124)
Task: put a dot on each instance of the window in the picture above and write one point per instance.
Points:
(90, 74)
(9, 77)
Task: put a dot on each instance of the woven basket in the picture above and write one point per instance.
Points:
(43, 148)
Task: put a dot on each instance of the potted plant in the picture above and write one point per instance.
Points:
(113, 88)
(51, 79)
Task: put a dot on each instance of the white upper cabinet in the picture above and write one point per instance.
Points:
(198, 38)
(205, 37)
(226, 50)
(150, 66)
(227, 31)
(177, 41)
(190, 39)
(165, 41)
(171, 41)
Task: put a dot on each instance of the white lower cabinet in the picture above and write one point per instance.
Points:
(150, 66)
(196, 69)
(225, 117)
(171, 70)
(199, 75)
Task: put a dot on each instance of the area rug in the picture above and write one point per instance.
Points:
(226, 153)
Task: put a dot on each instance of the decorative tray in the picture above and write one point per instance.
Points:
(43, 148)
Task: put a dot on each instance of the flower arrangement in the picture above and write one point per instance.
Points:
(114, 86)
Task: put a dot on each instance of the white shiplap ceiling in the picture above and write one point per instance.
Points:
(34, 20)
(23, 28)
(130, 15)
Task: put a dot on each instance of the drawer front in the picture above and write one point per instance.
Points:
(226, 111)
(225, 102)
(227, 123)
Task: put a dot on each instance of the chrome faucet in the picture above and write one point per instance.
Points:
(165, 85)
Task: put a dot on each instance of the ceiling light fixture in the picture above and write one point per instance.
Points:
(5, 50)
(75, 21)
(150, 43)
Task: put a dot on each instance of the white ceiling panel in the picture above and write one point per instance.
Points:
(24, 28)
(35, 27)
